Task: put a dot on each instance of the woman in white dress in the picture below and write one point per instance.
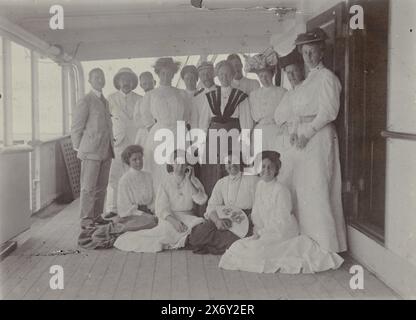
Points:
(263, 104)
(316, 173)
(136, 195)
(174, 207)
(276, 244)
(162, 108)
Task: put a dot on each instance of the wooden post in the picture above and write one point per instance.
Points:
(7, 94)
(73, 89)
(65, 99)
(35, 158)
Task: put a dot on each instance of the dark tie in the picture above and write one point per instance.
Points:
(104, 100)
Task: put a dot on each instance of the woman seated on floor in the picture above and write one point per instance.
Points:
(276, 244)
(235, 190)
(174, 207)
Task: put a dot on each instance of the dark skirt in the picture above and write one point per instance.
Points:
(205, 238)
(209, 174)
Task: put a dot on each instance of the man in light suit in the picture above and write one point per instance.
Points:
(92, 137)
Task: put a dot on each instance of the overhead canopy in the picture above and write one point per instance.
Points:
(98, 29)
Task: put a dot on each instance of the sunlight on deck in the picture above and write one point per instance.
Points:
(113, 274)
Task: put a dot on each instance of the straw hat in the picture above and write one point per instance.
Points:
(125, 71)
(166, 62)
(315, 35)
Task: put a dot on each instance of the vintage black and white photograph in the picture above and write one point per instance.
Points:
(203, 150)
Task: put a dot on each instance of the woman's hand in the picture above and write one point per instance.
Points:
(180, 226)
(293, 139)
(302, 142)
(255, 236)
(189, 173)
(177, 224)
(223, 224)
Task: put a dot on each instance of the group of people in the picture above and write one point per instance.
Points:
(287, 217)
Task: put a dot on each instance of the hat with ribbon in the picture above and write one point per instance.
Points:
(266, 60)
(129, 72)
(315, 35)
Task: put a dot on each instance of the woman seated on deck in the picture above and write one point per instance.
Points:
(235, 190)
(174, 207)
(276, 244)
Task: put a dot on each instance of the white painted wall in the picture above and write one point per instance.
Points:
(395, 263)
(14, 192)
(401, 160)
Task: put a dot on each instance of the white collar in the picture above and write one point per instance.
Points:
(124, 94)
(319, 66)
(134, 170)
(236, 177)
(96, 92)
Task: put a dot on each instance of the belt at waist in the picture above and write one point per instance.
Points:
(306, 119)
(224, 120)
(187, 212)
(265, 121)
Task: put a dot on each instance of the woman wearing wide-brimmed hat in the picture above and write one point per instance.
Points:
(316, 174)
(162, 108)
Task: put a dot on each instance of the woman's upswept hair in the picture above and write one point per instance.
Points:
(223, 63)
(274, 158)
(177, 153)
(129, 151)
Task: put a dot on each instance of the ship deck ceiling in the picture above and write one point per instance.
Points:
(180, 274)
(97, 30)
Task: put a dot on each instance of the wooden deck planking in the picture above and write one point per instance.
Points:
(255, 288)
(179, 274)
(335, 290)
(198, 281)
(235, 284)
(162, 280)
(294, 286)
(217, 287)
(180, 284)
(112, 276)
(373, 287)
(79, 276)
(27, 272)
(144, 281)
(41, 285)
(274, 286)
(127, 282)
(90, 287)
(39, 240)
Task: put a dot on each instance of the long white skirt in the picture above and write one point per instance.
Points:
(316, 186)
(273, 253)
(163, 236)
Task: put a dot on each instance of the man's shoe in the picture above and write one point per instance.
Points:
(101, 221)
(87, 224)
(110, 215)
